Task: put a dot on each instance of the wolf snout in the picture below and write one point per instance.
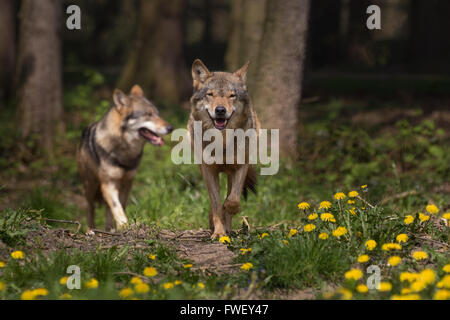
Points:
(220, 111)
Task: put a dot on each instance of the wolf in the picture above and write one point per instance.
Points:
(220, 100)
(111, 150)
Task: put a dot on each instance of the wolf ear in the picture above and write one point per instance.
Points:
(121, 100)
(242, 72)
(199, 73)
(137, 90)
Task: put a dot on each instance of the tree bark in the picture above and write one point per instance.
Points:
(156, 61)
(280, 69)
(7, 46)
(38, 74)
(246, 32)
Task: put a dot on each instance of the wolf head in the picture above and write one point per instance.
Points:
(139, 117)
(219, 98)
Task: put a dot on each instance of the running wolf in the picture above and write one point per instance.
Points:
(221, 101)
(111, 150)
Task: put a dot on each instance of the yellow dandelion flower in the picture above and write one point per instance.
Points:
(247, 266)
(446, 268)
(418, 286)
(168, 285)
(286, 242)
(362, 288)
(353, 274)
(65, 296)
(413, 296)
(17, 254)
(313, 216)
(28, 295)
(150, 272)
(353, 194)
(151, 256)
(427, 276)
(405, 290)
(136, 280)
(442, 295)
(309, 227)
(423, 217)
(432, 209)
(2, 286)
(402, 237)
(292, 232)
(325, 205)
(142, 288)
(323, 236)
(2, 264)
(244, 251)
(444, 283)
(385, 286)
(339, 196)
(345, 293)
(370, 244)
(303, 205)
(126, 293)
(327, 217)
(446, 216)
(349, 201)
(339, 231)
(363, 258)
(224, 239)
(92, 283)
(187, 266)
(201, 285)
(63, 280)
(409, 219)
(178, 282)
(420, 255)
(352, 211)
(364, 186)
(394, 261)
(409, 276)
(265, 234)
(391, 246)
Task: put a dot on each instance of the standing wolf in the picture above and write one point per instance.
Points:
(221, 101)
(111, 150)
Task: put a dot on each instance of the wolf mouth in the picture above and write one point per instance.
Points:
(220, 123)
(151, 136)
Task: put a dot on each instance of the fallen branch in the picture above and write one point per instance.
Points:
(106, 232)
(398, 196)
(245, 218)
(367, 203)
(65, 221)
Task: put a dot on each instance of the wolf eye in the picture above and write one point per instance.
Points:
(232, 96)
(209, 94)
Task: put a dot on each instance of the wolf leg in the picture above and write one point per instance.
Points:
(109, 224)
(111, 196)
(91, 215)
(232, 204)
(228, 216)
(217, 216)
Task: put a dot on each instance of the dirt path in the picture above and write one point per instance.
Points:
(193, 245)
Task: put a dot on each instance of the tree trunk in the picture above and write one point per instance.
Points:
(38, 73)
(156, 61)
(280, 69)
(7, 46)
(246, 32)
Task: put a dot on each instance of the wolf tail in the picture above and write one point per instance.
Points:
(250, 181)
